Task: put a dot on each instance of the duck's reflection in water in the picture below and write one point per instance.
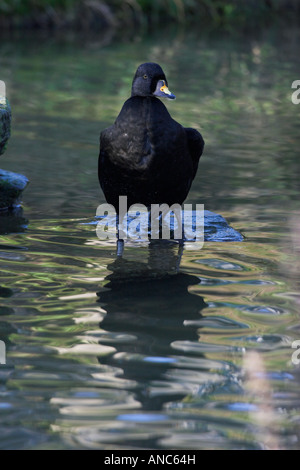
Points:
(149, 305)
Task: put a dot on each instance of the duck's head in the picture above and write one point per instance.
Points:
(150, 80)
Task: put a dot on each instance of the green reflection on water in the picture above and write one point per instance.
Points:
(84, 346)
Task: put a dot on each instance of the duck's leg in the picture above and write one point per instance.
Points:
(120, 248)
(180, 253)
(120, 241)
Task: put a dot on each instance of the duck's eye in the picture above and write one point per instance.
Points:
(145, 77)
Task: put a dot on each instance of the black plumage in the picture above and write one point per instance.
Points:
(146, 155)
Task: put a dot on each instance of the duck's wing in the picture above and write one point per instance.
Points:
(196, 145)
(126, 151)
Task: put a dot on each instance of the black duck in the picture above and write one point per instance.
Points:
(146, 155)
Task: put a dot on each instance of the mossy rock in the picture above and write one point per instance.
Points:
(5, 121)
(11, 187)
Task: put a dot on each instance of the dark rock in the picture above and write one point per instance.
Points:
(11, 187)
(217, 229)
(11, 184)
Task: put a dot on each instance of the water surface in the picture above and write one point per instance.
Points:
(134, 352)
